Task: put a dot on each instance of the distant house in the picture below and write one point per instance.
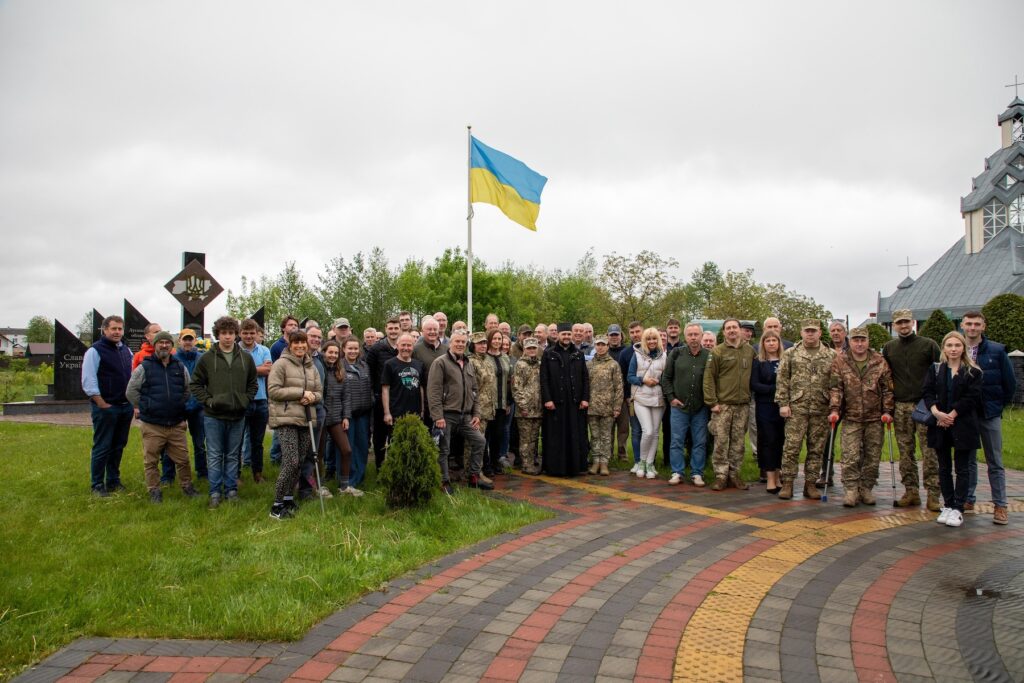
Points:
(988, 260)
(40, 352)
(6, 346)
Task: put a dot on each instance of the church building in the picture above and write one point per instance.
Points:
(989, 259)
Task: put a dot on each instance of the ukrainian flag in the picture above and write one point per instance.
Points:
(496, 178)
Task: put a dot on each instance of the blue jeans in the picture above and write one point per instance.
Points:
(635, 433)
(223, 444)
(110, 429)
(256, 417)
(697, 425)
(359, 440)
(992, 443)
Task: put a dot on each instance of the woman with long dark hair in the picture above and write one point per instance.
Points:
(336, 417)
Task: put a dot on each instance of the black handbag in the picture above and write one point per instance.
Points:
(922, 415)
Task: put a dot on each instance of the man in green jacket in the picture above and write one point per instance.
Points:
(683, 384)
(910, 357)
(224, 381)
(727, 394)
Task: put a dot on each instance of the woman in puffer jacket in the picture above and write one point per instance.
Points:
(293, 386)
(648, 401)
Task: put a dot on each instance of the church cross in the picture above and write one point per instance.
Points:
(908, 264)
(1015, 85)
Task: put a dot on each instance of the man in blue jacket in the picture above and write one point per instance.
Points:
(997, 391)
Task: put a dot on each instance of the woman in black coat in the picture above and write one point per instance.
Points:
(771, 427)
(952, 392)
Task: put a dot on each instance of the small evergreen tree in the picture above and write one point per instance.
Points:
(937, 326)
(410, 474)
(1004, 320)
(877, 336)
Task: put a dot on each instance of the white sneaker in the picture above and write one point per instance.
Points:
(636, 467)
(675, 478)
(325, 492)
(640, 468)
(943, 515)
(652, 472)
(698, 481)
(956, 518)
(351, 491)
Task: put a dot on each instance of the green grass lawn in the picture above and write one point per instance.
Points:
(75, 565)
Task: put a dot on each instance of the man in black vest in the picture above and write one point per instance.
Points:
(159, 391)
(106, 369)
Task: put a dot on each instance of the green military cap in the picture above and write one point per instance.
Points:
(859, 332)
(902, 314)
(601, 339)
(810, 324)
(531, 343)
(479, 337)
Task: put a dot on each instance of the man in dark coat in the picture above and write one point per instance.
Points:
(565, 391)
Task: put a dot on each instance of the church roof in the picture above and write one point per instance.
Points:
(985, 187)
(1016, 108)
(958, 282)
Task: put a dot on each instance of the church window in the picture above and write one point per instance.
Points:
(1016, 214)
(1018, 128)
(1019, 162)
(993, 218)
(1007, 181)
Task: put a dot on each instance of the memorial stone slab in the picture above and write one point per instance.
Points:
(68, 352)
(134, 327)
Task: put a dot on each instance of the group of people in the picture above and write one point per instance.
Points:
(554, 399)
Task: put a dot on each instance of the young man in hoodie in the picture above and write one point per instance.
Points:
(224, 382)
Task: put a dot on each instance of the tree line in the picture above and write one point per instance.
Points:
(615, 288)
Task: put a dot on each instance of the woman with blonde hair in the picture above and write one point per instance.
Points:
(771, 427)
(648, 400)
(952, 393)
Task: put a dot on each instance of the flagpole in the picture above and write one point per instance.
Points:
(469, 227)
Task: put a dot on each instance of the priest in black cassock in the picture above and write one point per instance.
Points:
(565, 392)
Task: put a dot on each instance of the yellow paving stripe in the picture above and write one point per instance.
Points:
(659, 502)
(715, 635)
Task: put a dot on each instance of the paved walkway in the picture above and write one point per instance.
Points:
(637, 580)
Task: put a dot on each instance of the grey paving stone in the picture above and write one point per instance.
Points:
(429, 670)
(576, 666)
(116, 677)
(39, 674)
(361, 660)
(348, 674)
(151, 677)
(66, 658)
(391, 670)
(91, 644)
(621, 667)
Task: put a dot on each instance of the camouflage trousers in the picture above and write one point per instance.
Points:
(729, 427)
(906, 429)
(862, 449)
(801, 427)
(601, 437)
(529, 434)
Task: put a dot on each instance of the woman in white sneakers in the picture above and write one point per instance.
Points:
(647, 398)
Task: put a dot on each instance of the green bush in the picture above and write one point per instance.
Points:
(410, 474)
(877, 336)
(937, 326)
(1004, 317)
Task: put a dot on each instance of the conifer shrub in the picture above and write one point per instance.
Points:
(1004, 320)
(937, 326)
(877, 336)
(410, 474)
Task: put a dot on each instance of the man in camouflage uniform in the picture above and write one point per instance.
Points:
(910, 357)
(526, 392)
(862, 394)
(487, 393)
(605, 404)
(802, 393)
(727, 393)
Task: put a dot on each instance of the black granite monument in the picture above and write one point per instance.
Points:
(68, 352)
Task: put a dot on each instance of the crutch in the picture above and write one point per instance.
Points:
(892, 464)
(828, 464)
(316, 458)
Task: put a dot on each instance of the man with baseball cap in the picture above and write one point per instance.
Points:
(342, 331)
(188, 353)
(910, 357)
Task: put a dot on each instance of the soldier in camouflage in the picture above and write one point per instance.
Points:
(862, 394)
(487, 391)
(802, 393)
(909, 357)
(605, 404)
(727, 394)
(526, 392)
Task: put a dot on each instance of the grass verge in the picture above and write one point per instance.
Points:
(75, 565)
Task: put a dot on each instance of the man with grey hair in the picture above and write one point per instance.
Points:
(442, 326)
(429, 346)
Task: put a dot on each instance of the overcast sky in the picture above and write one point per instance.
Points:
(818, 143)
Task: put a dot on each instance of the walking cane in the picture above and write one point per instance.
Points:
(892, 464)
(316, 459)
(828, 465)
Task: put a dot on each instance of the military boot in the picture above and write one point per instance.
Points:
(594, 467)
(850, 498)
(737, 481)
(810, 491)
(603, 471)
(934, 505)
(720, 483)
(867, 496)
(786, 492)
(911, 498)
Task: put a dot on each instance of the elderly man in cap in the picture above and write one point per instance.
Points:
(158, 389)
(342, 331)
(802, 393)
(605, 403)
(862, 394)
(910, 357)
(188, 354)
(526, 392)
(565, 390)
